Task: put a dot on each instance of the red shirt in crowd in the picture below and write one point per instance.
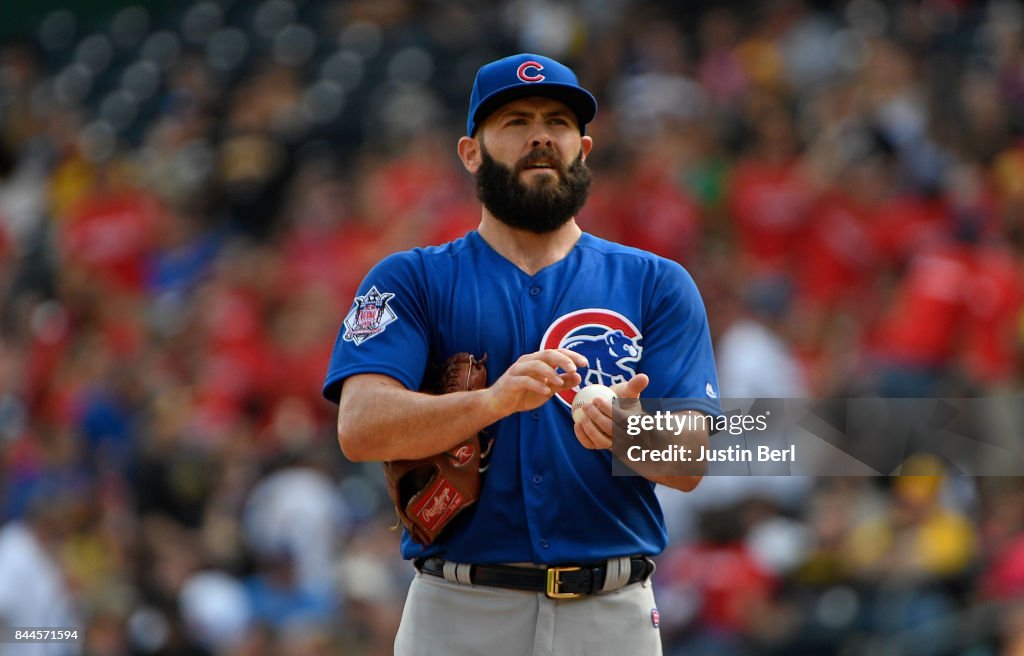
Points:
(235, 362)
(770, 204)
(994, 310)
(651, 212)
(838, 253)
(110, 235)
(924, 322)
(727, 578)
(904, 225)
(6, 247)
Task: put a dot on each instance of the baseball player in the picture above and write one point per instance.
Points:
(554, 556)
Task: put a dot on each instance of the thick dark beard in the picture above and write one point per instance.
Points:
(540, 208)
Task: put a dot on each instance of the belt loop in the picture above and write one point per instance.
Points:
(449, 570)
(616, 574)
(457, 572)
(647, 579)
(462, 571)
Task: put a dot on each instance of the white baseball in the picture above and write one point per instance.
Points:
(587, 394)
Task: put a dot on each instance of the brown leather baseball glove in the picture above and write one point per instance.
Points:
(428, 493)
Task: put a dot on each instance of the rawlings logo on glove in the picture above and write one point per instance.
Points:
(428, 493)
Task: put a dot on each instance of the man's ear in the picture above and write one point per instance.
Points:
(586, 143)
(469, 153)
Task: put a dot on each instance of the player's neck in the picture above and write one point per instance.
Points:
(529, 251)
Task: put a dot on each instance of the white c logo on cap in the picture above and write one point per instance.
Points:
(524, 76)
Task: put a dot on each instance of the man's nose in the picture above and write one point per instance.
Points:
(541, 137)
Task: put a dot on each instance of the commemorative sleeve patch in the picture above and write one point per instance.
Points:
(369, 316)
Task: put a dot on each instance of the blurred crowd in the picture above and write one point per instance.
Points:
(189, 197)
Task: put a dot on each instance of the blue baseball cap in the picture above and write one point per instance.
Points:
(523, 75)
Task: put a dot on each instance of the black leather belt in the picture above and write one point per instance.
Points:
(566, 582)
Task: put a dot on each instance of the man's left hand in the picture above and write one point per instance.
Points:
(594, 431)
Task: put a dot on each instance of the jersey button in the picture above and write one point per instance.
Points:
(537, 479)
(535, 414)
(535, 290)
(544, 544)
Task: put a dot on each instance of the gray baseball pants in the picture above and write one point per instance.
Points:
(454, 619)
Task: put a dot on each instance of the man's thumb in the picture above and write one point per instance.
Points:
(631, 388)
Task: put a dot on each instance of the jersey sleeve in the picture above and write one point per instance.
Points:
(677, 344)
(385, 329)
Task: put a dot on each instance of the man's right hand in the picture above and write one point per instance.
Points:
(379, 419)
(533, 379)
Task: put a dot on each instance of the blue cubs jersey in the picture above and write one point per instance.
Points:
(544, 498)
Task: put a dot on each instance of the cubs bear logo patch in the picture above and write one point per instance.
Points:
(369, 316)
(609, 341)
